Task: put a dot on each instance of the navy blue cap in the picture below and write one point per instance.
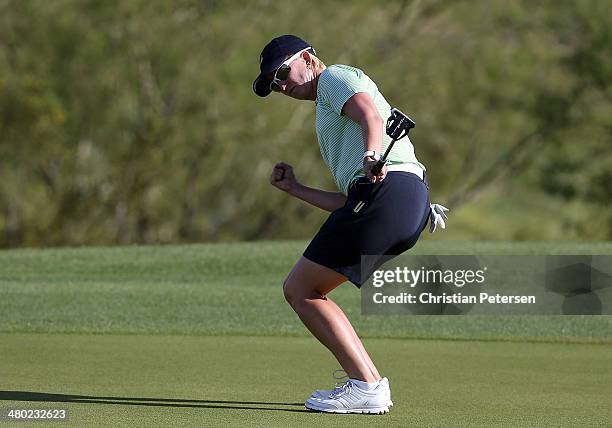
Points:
(272, 56)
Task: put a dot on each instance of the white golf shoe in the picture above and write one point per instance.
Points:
(349, 398)
(324, 393)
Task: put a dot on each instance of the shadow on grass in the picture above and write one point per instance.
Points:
(139, 401)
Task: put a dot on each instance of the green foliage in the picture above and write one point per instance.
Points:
(134, 121)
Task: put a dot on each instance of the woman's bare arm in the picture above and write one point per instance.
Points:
(283, 178)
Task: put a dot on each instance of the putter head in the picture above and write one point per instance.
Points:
(398, 124)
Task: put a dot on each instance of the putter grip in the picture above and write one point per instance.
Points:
(377, 167)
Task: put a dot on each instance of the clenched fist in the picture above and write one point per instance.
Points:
(283, 177)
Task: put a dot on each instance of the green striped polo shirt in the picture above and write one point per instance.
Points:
(340, 138)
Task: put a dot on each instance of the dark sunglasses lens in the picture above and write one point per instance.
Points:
(283, 72)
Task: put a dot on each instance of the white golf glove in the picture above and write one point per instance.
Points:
(437, 215)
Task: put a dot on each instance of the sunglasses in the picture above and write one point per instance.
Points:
(282, 73)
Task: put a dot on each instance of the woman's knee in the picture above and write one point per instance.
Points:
(308, 280)
(297, 294)
(287, 292)
(292, 292)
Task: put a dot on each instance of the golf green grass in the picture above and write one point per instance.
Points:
(139, 380)
(200, 335)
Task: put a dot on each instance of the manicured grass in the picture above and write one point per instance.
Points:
(144, 380)
(200, 335)
(235, 289)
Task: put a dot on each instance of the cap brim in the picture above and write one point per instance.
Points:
(261, 86)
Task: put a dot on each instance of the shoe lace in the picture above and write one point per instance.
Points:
(344, 389)
(340, 376)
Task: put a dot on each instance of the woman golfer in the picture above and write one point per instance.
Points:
(381, 214)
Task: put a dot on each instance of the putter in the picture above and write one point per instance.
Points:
(398, 126)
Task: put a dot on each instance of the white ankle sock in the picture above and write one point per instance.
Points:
(366, 386)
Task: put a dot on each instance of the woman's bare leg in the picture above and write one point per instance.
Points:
(306, 290)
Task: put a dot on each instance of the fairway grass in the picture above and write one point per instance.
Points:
(235, 289)
(156, 380)
(200, 335)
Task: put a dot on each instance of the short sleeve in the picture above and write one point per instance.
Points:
(339, 85)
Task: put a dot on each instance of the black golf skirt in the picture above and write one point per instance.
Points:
(392, 216)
